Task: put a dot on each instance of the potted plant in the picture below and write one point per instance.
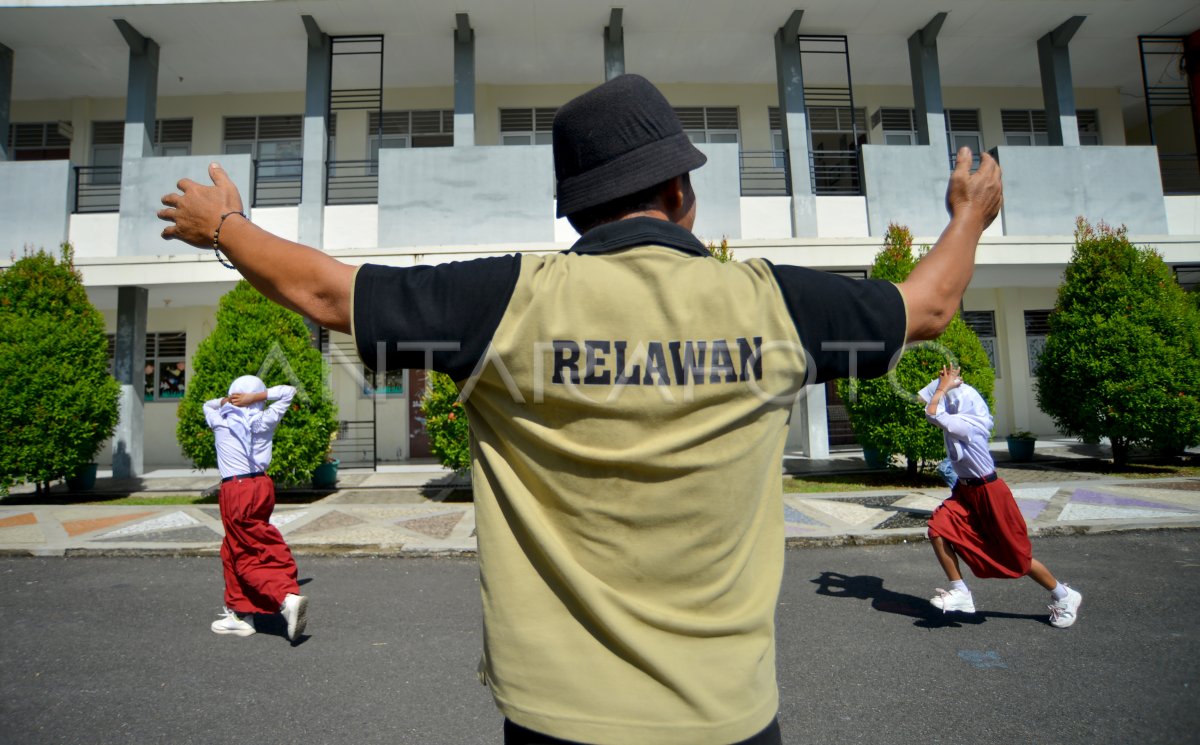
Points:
(1020, 446)
(325, 475)
(875, 458)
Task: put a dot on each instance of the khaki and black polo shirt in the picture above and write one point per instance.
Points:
(629, 401)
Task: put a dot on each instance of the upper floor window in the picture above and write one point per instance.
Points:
(431, 128)
(171, 137)
(963, 128)
(39, 141)
(1188, 277)
(899, 125)
(526, 126)
(710, 123)
(1028, 126)
(276, 142)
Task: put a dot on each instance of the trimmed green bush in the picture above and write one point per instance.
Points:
(58, 401)
(885, 412)
(446, 423)
(255, 336)
(1122, 359)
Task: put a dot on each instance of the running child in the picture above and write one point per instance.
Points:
(980, 521)
(260, 573)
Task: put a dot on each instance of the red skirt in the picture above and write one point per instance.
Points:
(258, 565)
(986, 529)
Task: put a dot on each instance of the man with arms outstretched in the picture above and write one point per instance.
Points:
(629, 401)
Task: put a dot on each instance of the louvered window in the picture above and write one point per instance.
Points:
(1089, 126)
(710, 123)
(38, 141)
(963, 129)
(527, 126)
(983, 323)
(108, 133)
(427, 128)
(274, 142)
(1188, 277)
(1028, 126)
(899, 125)
(1037, 328)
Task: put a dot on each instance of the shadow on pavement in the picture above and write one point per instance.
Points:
(866, 587)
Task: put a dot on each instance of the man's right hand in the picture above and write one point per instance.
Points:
(195, 213)
(976, 195)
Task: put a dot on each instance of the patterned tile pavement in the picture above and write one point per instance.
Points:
(420, 528)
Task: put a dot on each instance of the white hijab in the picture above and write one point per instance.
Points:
(241, 418)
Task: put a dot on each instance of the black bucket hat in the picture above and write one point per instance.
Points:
(615, 140)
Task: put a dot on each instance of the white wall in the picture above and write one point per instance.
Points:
(1183, 215)
(351, 226)
(95, 234)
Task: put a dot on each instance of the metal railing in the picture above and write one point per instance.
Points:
(352, 182)
(97, 189)
(1180, 172)
(355, 444)
(764, 173)
(278, 183)
(833, 173)
(836, 173)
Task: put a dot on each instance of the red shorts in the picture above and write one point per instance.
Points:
(986, 529)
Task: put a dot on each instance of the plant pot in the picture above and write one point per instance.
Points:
(84, 478)
(1020, 449)
(874, 458)
(325, 474)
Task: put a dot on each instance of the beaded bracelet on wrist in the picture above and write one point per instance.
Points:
(217, 238)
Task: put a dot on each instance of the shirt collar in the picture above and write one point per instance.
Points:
(638, 231)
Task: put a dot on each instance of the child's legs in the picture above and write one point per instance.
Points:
(946, 557)
(1040, 574)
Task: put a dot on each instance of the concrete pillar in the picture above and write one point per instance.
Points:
(141, 94)
(794, 125)
(311, 228)
(809, 428)
(927, 85)
(464, 81)
(1057, 91)
(6, 77)
(614, 46)
(129, 364)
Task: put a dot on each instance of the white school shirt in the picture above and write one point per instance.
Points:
(966, 426)
(232, 456)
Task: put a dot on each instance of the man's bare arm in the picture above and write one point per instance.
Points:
(298, 277)
(935, 287)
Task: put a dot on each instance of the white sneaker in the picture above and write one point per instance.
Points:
(953, 600)
(1064, 612)
(295, 612)
(231, 623)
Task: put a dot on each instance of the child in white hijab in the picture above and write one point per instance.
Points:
(981, 522)
(260, 572)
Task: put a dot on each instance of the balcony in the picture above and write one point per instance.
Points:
(278, 182)
(832, 172)
(97, 189)
(352, 182)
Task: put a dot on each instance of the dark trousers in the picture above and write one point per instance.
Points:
(515, 734)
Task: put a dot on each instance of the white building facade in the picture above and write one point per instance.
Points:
(410, 134)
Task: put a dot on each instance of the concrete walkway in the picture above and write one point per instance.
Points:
(422, 509)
